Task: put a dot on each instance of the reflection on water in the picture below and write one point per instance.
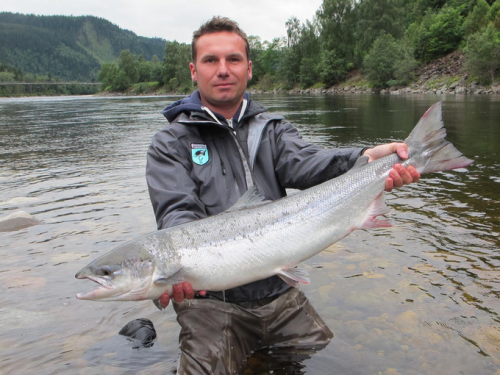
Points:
(421, 297)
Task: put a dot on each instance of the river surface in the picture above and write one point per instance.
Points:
(421, 297)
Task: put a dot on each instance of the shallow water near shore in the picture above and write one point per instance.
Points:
(421, 297)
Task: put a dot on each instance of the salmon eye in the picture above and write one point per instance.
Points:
(104, 271)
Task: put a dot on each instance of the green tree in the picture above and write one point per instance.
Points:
(156, 69)
(374, 17)
(482, 54)
(378, 64)
(332, 68)
(494, 14)
(269, 58)
(176, 63)
(129, 65)
(293, 30)
(309, 51)
(289, 67)
(7, 77)
(477, 19)
(173, 84)
(256, 51)
(438, 33)
(145, 71)
(121, 81)
(337, 20)
(107, 74)
(405, 63)
(308, 74)
(389, 62)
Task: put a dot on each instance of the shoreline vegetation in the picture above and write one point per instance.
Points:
(370, 46)
(445, 75)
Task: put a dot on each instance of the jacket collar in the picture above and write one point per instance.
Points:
(193, 107)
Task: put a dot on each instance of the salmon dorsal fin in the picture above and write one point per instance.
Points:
(251, 198)
(361, 162)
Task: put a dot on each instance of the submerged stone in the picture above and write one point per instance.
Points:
(141, 330)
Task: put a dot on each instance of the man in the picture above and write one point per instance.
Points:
(218, 144)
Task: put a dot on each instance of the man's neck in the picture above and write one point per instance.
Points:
(226, 112)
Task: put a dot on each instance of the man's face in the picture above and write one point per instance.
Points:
(221, 69)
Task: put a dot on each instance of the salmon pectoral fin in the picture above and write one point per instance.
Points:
(294, 276)
(377, 208)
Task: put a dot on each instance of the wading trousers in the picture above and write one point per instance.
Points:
(218, 337)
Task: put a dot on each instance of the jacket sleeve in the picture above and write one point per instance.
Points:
(172, 191)
(301, 165)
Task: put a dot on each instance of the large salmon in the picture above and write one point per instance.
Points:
(257, 239)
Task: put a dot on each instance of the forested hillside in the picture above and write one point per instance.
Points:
(385, 41)
(70, 48)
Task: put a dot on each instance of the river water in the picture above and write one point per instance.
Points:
(421, 297)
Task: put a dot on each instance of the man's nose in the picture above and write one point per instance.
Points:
(223, 70)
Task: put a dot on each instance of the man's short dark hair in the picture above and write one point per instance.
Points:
(215, 25)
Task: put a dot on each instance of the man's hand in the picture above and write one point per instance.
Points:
(399, 175)
(180, 292)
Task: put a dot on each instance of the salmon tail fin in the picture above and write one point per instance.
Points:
(427, 143)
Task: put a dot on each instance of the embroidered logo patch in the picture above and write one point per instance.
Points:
(199, 153)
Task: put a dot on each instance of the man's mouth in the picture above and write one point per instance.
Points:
(224, 84)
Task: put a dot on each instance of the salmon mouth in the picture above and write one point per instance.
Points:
(102, 286)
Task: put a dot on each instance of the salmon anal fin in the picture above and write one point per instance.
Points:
(378, 207)
(294, 276)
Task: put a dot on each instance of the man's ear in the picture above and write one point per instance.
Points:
(192, 68)
(249, 70)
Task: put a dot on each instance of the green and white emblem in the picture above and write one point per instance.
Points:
(199, 153)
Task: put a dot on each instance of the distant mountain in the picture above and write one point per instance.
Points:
(72, 48)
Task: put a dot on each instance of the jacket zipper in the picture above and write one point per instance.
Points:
(222, 166)
(244, 162)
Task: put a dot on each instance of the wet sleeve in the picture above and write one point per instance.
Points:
(301, 165)
(172, 191)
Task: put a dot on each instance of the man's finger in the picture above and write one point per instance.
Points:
(414, 174)
(402, 150)
(396, 178)
(164, 300)
(389, 184)
(188, 290)
(404, 174)
(178, 293)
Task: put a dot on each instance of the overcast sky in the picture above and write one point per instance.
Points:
(176, 19)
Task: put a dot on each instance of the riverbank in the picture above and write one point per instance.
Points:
(443, 76)
(435, 84)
